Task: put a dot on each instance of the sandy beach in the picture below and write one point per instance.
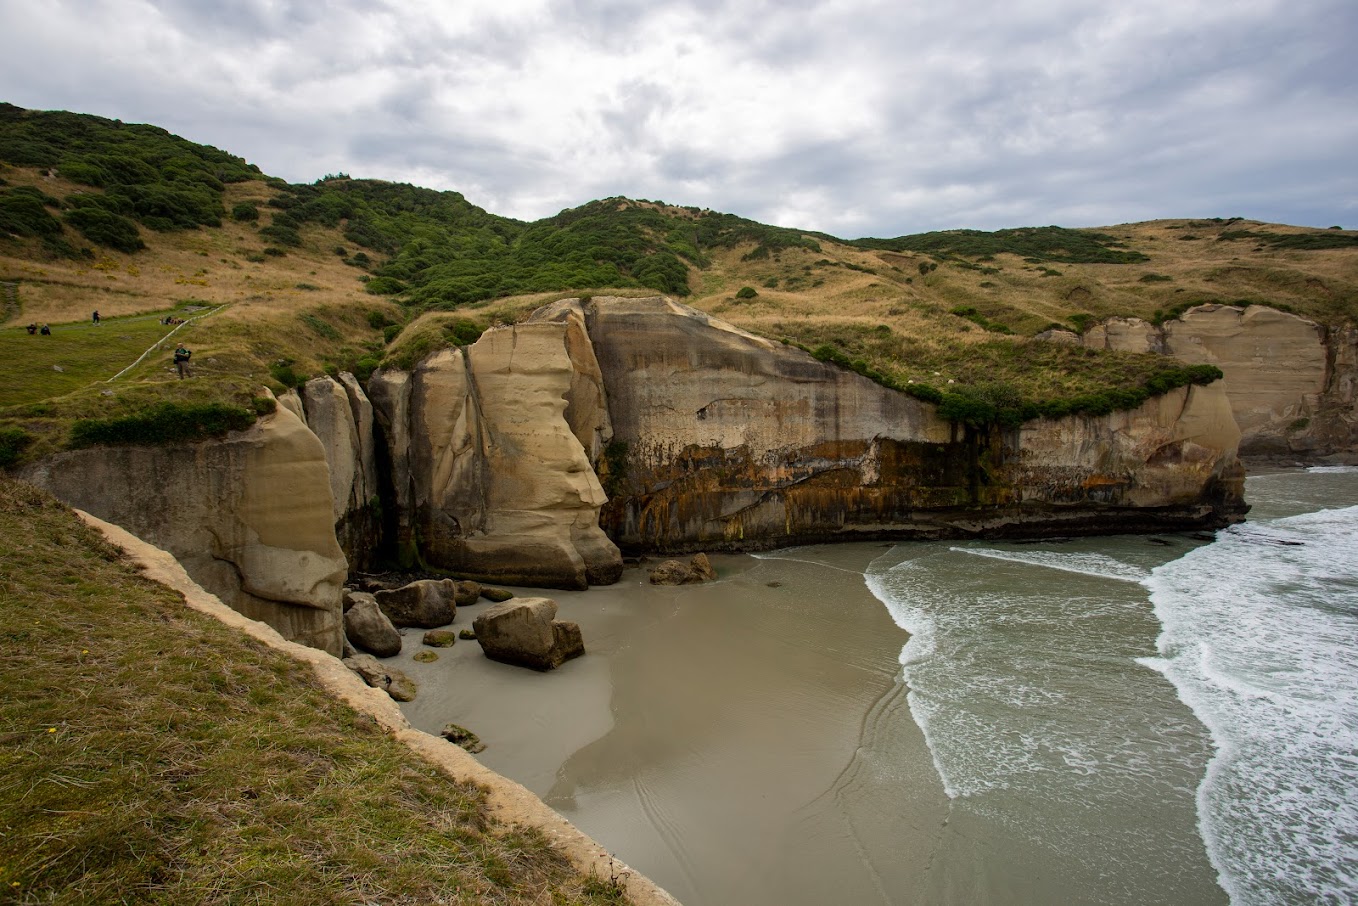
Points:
(712, 733)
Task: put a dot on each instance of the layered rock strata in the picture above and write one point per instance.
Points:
(734, 441)
(249, 516)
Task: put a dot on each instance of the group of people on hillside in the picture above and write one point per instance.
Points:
(182, 354)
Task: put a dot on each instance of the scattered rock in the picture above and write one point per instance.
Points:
(774, 584)
(463, 737)
(676, 572)
(402, 687)
(379, 676)
(466, 593)
(498, 595)
(426, 656)
(352, 597)
(524, 631)
(440, 638)
(426, 603)
(348, 649)
(467, 634)
(368, 628)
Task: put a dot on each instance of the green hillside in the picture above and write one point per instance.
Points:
(283, 282)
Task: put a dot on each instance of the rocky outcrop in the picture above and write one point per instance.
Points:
(1125, 335)
(677, 572)
(426, 603)
(368, 629)
(732, 441)
(491, 480)
(1277, 367)
(249, 516)
(525, 632)
(390, 680)
(338, 412)
(1291, 382)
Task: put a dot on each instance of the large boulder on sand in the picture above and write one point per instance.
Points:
(524, 631)
(426, 603)
(369, 629)
(676, 572)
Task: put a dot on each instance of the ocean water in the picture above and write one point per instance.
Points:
(1127, 720)
(1045, 715)
(1260, 638)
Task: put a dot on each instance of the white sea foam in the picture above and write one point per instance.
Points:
(1258, 638)
(1098, 565)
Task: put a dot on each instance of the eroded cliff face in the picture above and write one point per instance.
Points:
(338, 412)
(250, 517)
(1291, 382)
(724, 439)
(491, 478)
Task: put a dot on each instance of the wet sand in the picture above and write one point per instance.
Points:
(713, 736)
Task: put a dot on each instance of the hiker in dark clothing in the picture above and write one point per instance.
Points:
(32, 329)
(181, 360)
(95, 317)
(46, 331)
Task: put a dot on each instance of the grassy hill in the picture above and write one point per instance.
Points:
(152, 755)
(281, 282)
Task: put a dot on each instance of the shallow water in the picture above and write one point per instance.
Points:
(960, 722)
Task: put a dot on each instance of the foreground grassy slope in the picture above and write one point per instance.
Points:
(347, 274)
(148, 754)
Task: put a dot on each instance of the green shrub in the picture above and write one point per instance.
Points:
(390, 332)
(246, 211)
(167, 422)
(274, 251)
(323, 328)
(283, 372)
(106, 228)
(463, 332)
(13, 441)
(746, 292)
(24, 215)
(1156, 278)
(384, 286)
(364, 367)
(377, 319)
(282, 233)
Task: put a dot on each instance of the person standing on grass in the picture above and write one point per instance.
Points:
(95, 317)
(181, 360)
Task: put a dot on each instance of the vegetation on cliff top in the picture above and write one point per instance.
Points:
(345, 274)
(226, 773)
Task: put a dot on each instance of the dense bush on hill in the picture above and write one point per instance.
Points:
(1051, 243)
(1315, 241)
(24, 214)
(156, 178)
(164, 423)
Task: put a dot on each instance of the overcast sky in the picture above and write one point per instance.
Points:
(851, 117)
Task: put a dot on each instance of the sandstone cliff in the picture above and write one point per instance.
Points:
(1291, 381)
(338, 412)
(724, 439)
(490, 478)
(249, 516)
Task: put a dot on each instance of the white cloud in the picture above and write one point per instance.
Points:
(848, 116)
